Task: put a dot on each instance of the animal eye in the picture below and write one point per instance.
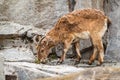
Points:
(42, 50)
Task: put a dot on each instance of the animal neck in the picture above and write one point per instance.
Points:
(54, 36)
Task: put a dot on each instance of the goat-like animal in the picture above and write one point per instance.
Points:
(79, 24)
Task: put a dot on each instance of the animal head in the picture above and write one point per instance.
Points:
(43, 48)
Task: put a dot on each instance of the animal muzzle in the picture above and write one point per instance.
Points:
(44, 60)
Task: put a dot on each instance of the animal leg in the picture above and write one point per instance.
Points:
(101, 52)
(92, 58)
(77, 47)
(67, 44)
(98, 47)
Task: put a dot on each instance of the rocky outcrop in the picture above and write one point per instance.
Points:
(32, 71)
(18, 54)
(97, 4)
(39, 13)
(15, 37)
(112, 9)
(98, 73)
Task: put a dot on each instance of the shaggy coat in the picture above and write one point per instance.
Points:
(70, 28)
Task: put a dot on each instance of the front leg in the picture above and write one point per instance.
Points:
(67, 44)
(77, 47)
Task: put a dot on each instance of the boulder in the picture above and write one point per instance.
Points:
(32, 71)
(97, 73)
(9, 28)
(15, 40)
(18, 54)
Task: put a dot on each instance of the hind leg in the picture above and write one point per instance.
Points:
(100, 52)
(98, 47)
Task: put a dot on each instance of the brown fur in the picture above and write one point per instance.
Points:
(79, 24)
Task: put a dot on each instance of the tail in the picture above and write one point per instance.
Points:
(108, 21)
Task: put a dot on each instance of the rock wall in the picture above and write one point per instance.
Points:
(112, 9)
(39, 13)
(97, 4)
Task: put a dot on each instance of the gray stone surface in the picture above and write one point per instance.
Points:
(81, 4)
(9, 27)
(32, 71)
(59, 50)
(17, 49)
(40, 13)
(18, 54)
(113, 49)
(2, 75)
(97, 73)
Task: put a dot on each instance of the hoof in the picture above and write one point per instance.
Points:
(44, 61)
(99, 63)
(90, 62)
(59, 62)
(76, 62)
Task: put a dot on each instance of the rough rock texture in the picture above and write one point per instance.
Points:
(32, 71)
(40, 13)
(2, 76)
(18, 54)
(112, 9)
(97, 4)
(98, 73)
(14, 35)
(9, 27)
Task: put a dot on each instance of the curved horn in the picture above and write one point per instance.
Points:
(41, 40)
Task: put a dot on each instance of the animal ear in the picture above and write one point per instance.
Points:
(49, 40)
(46, 40)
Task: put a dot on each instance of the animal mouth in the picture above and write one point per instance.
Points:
(44, 61)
